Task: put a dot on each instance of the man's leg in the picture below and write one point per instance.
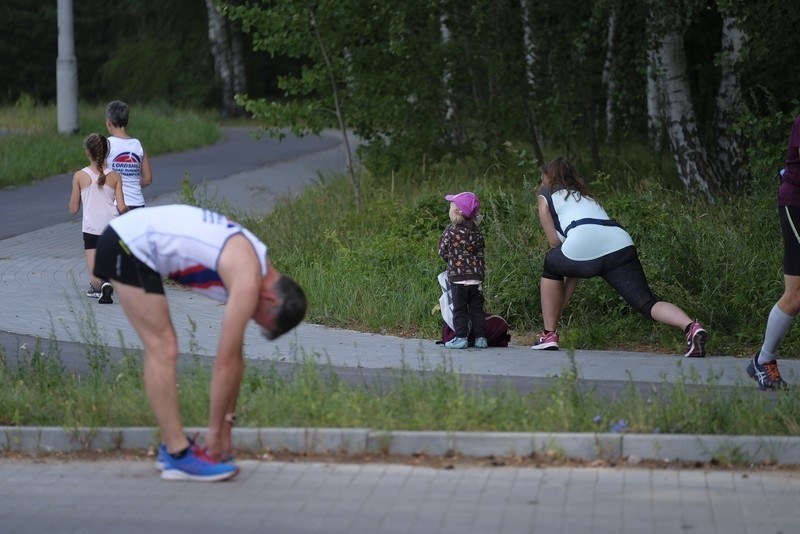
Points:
(149, 315)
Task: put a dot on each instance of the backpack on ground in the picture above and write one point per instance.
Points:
(496, 332)
(496, 327)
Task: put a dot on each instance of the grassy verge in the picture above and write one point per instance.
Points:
(32, 149)
(36, 391)
(376, 271)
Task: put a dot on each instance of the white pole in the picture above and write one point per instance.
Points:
(66, 72)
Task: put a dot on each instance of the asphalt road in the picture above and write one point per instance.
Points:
(27, 208)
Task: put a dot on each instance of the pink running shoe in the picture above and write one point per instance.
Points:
(547, 341)
(696, 341)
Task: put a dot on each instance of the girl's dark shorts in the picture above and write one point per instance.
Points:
(114, 261)
(90, 241)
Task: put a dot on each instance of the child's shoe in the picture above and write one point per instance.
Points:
(457, 343)
(481, 343)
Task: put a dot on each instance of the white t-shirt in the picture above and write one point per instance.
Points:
(125, 156)
(585, 241)
(183, 243)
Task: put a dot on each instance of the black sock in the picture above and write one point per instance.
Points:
(180, 454)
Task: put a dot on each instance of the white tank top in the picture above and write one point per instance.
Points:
(97, 204)
(585, 241)
(125, 156)
(183, 243)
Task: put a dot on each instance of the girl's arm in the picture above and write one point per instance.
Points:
(120, 197)
(444, 245)
(546, 220)
(75, 195)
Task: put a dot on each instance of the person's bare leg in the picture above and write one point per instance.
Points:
(668, 313)
(552, 294)
(96, 282)
(570, 284)
(149, 315)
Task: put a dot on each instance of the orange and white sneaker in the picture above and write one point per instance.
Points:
(767, 375)
(546, 341)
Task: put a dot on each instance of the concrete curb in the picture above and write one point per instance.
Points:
(777, 450)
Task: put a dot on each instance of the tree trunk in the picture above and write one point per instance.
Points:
(608, 75)
(730, 152)
(226, 47)
(530, 76)
(695, 169)
(655, 116)
(355, 183)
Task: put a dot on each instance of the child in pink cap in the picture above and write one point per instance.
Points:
(462, 247)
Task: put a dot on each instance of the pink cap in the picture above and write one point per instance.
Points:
(466, 202)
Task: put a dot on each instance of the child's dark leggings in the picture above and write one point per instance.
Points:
(468, 308)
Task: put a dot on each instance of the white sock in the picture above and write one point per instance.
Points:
(778, 325)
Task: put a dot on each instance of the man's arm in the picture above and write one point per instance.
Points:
(240, 271)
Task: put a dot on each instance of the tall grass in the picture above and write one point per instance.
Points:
(35, 391)
(32, 149)
(376, 271)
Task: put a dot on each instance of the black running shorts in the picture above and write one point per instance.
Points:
(114, 261)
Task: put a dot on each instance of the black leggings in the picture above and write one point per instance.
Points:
(621, 269)
(468, 314)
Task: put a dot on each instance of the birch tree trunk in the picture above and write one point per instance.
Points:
(226, 48)
(530, 77)
(695, 168)
(608, 75)
(730, 152)
(655, 116)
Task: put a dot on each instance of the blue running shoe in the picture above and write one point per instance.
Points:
(161, 461)
(481, 343)
(196, 466)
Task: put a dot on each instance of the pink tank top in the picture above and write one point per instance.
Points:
(98, 204)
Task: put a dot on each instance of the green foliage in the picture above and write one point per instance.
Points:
(376, 271)
(35, 150)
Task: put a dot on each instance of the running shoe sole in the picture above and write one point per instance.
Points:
(177, 474)
(106, 291)
(550, 345)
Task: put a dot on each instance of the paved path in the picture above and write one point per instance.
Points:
(125, 497)
(42, 280)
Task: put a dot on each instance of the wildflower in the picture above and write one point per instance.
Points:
(619, 427)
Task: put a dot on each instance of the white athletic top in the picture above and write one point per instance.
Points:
(125, 156)
(97, 204)
(585, 241)
(183, 243)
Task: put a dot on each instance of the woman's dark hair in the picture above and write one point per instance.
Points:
(560, 172)
(97, 146)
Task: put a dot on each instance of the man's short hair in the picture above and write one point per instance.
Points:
(292, 309)
(117, 113)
